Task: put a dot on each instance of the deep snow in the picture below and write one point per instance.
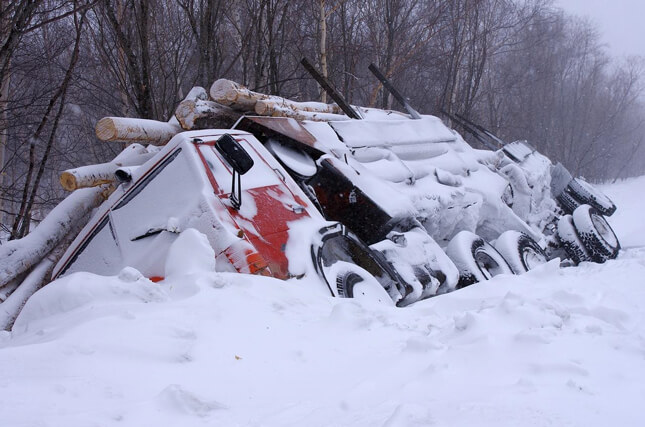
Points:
(560, 347)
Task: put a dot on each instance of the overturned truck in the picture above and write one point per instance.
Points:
(368, 202)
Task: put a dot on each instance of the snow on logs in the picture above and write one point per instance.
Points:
(19, 256)
(205, 114)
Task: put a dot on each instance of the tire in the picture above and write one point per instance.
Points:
(354, 282)
(567, 202)
(570, 241)
(520, 251)
(338, 251)
(586, 193)
(475, 259)
(597, 236)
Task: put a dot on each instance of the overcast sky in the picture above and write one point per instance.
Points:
(621, 22)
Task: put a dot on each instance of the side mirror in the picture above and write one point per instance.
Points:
(234, 154)
(239, 160)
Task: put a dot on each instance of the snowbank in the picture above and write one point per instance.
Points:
(551, 347)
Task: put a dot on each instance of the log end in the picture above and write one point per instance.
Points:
(106, 129)
(68, 181)
(263, 108)
(185, 114)
(220, 90)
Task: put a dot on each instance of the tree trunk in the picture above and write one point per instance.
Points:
(323, 47)
(22, 221)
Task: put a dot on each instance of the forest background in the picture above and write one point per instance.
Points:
(525, 69)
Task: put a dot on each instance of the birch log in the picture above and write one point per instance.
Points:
(38, 277)
(103, 173)
(236, 96)
(10, 308)
(196, 93)
(18, 256)
(265, 107)
(125, 129)
(275, 110)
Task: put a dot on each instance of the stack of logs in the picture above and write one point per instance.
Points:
(227, 103)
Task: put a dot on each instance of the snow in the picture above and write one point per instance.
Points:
(555, 346)
(374, 133)
(627, 223)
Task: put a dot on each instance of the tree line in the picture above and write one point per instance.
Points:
(522, 68)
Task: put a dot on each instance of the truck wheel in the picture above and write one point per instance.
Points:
(567, 202)
(596, 234)
(475, 259)
(337, 252)
(520, 251)
(354, 282)
(586, 193)
(571, 242)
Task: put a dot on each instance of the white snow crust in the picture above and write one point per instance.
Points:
(552, 347)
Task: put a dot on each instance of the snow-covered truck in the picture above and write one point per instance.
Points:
(384, 203)
(225, 184)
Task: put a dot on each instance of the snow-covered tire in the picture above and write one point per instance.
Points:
(567, 202)
(338, 251)
(354, 282)
(586, 193)
(571, 242)
(520, 251)
(475, 259)
(597, 236)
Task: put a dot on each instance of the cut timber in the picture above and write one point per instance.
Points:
(18, 256)
(87, 176)
(135, 130)
(276, 110)
(202, 114)
(266, 107)
(36, 279)
(196, 93)
(103, 173)
(236, 96)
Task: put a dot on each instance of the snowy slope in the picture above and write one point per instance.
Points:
(554, 347)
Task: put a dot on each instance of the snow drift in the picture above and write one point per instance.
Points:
(550, 347)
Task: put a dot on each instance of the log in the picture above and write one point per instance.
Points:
(236, 96)
(36, 279)
(125, 129)
(265, 107)
(18, 256)
(204, 114)
(87, 176)
(196, 93)
(103, 173)
(278, 111)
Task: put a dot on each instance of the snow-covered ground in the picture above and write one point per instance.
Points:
(554, 347)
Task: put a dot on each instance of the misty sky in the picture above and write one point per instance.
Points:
(620, 21)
